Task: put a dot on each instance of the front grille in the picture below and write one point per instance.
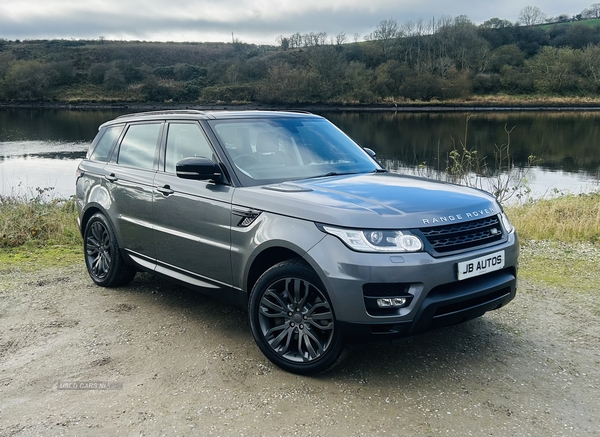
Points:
(463, 236)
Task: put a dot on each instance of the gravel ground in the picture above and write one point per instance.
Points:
(181, 364)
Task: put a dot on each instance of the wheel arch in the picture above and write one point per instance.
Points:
(88, 213)
(265, 260)
(97, 208)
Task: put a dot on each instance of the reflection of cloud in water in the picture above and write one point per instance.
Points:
(542, 182)
(546, 183)
(42, 148)
(21, 175)
(26, 165)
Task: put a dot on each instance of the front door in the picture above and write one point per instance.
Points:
(192, 218)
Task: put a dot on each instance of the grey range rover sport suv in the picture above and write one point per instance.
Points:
(283, 214)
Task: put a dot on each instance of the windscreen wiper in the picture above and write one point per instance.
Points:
(333, 173)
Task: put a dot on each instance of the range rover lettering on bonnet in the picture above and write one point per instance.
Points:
(464, 216)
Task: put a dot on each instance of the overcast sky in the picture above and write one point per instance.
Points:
(251, 21)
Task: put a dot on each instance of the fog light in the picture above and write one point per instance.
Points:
(391, 302)
(399, 301)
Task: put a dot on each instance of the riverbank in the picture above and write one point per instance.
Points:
(474, 104)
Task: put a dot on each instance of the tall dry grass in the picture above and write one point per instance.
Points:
(570, 218)
(38, 220)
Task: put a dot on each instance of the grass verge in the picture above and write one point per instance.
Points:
(566, 266)
(560, 241)
(31, 258)
(560, 238)
(38, 232)
(567, 219)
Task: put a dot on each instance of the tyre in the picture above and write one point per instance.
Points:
(292, 319)
(102, 254)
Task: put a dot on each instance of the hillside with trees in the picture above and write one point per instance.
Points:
(445, 59)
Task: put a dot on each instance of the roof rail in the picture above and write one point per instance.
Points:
(164, 112)
(299, 111)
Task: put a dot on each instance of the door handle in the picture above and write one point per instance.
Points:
(111, 177)
(166, 190)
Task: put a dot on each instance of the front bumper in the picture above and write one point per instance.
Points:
(437, 297)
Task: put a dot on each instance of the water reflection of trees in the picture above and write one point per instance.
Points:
(52, 124)
(558, 140)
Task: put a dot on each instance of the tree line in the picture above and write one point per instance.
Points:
(440, 59)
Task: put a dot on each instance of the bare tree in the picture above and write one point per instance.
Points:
(321, 38)
(442, 22)
(591, 12)
(413, 47)
(341, 38)
(386, 30)
(295, 40)
(531, 15)
(314, 39)
(385, 33)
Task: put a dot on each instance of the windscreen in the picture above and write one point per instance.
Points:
(269, 150)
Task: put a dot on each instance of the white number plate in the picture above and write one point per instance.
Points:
(481, 265)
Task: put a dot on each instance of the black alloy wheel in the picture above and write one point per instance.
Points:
(103, 258)
(292, 319)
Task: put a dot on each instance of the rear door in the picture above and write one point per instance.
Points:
(129, 178)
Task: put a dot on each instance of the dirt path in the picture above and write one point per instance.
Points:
(188, 366)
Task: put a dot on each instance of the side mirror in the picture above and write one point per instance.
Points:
(371, 152)
(198, 168)
(373, 156)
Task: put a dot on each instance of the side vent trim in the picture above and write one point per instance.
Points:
(247, 216)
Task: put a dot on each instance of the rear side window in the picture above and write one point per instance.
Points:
(138, 147)
(103, 148)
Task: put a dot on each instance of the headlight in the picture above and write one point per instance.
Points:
(376, 240)
(506, 223)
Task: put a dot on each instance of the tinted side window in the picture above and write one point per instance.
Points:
(184, 140)
(104, 146)
(138, 147)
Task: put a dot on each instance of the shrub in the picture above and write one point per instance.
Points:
(486, 83)
(424, 87)
(38, 220)
(114, 80)
(229, 93)
(154, 91)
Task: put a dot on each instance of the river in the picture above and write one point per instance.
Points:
(40, 148)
